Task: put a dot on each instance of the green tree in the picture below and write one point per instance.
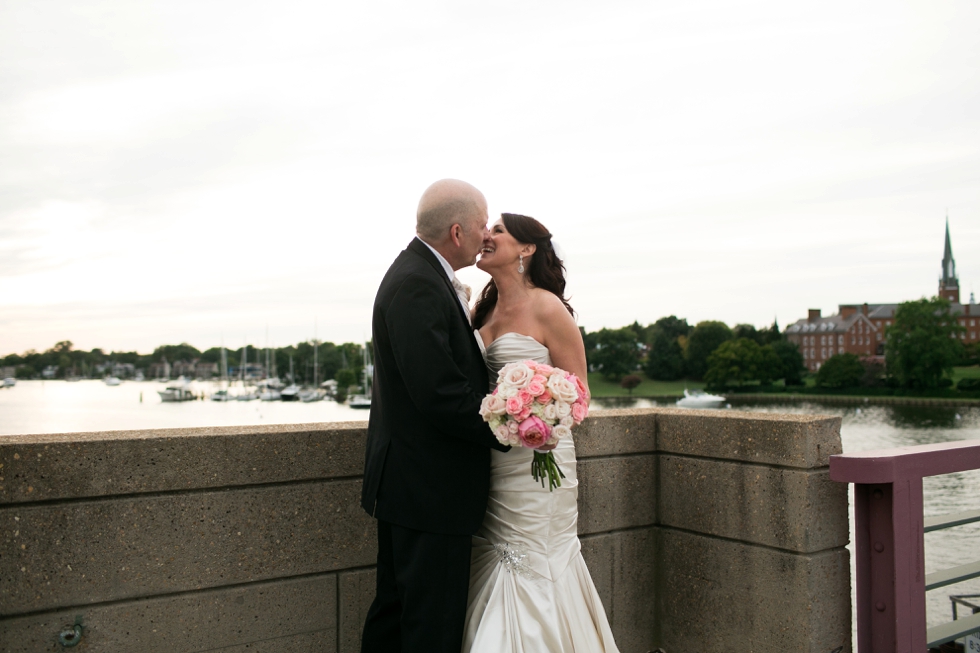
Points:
(345, 379)
(665, 358)
(181, 352)
(923, 344)
(792, 366)
(630, 381)
(665, 354)
(841, 371)
(704, 339)
(616, 352)
(741, 361)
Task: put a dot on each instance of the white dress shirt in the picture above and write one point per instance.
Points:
(451, 274)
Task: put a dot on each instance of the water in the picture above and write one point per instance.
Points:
(61, 407)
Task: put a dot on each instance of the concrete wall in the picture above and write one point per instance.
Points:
(707, 531)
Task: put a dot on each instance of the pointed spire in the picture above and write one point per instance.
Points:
(948, 251)
(949, 285)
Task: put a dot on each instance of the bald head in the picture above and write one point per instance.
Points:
(452, 218)
(445, 203)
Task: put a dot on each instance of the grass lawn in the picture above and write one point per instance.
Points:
(649, 388)
(958, 373)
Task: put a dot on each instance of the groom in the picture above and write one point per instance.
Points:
(427, 469)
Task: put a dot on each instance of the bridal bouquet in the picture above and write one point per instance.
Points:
(535, 405)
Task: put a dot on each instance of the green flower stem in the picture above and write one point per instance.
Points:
(543, 465)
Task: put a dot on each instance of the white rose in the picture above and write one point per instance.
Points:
(563, 409)
(506, 391)
(516, 375)
(565, 391)
(561, 432)
(567, 421)
(550, 413)
(502, 433)
(485, 412)
(553, 381)
(513, 427)
(495, 404)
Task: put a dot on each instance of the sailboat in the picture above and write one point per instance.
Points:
(247, 395)
(363, 400)
(222, 394)
(291, 391)
(314, 393)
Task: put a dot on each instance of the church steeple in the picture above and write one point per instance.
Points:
(949, 285)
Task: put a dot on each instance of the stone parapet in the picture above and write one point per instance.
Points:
(702, 530)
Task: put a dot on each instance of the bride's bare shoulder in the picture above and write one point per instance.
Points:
(549, 307)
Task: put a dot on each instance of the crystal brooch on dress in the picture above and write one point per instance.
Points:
(514, 557)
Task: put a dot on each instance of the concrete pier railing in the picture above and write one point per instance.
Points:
(703, 531)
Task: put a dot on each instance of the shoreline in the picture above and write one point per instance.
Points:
(846, 400)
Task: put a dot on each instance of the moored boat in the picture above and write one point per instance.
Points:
(176, 393)
(700, 399)
(312, 394)
(359, 401)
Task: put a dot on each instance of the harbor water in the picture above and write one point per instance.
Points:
(63, 407)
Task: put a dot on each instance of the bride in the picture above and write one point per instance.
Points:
(530, 590)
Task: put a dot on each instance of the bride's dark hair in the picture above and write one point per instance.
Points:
(545, 270)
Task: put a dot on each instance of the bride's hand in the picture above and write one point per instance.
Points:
(545, 448)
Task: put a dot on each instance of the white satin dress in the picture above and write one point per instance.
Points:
(530, 590)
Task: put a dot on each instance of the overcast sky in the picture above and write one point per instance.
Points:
(198, 171)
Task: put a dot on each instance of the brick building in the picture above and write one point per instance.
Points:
(860, 328)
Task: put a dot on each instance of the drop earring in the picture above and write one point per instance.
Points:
(520, 267)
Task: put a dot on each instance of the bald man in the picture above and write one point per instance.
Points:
(427, 468)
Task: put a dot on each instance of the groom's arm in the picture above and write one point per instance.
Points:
(417, 320)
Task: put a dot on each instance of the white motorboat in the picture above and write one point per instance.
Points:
(312, 394)
(290, 393)
(700, 399)
(9, 382)
(221, 395)
(270, 394)
(249, 395)
(359, 401)
(176, 393)
(112, 380)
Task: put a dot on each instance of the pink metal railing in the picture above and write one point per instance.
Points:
(890, 574)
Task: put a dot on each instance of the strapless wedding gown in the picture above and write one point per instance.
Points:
(530, 590)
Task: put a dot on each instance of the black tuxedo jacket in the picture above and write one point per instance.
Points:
(428, 450)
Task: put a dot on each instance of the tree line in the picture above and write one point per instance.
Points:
(343, 362)
(921, 348)
(671, 349)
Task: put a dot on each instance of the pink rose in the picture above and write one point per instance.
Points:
(544, 370)
(536, 386)
(526, 397)
(544, 397)
(524, 414)
(583, 392)
(534, 433)
(515, 405)
(579, 412)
